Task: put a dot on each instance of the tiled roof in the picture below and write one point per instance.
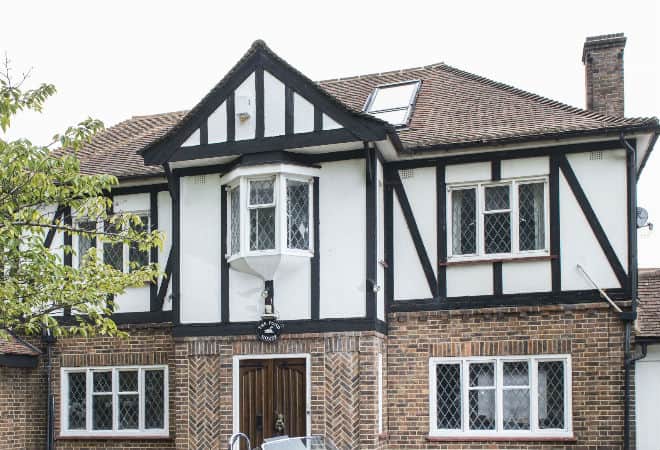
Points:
(16, 346)
(453, 109)
(456, 108)
(649, 303)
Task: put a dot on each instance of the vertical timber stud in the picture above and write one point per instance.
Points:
(259, 103)
(224, 265)
(231, 118)
(441, 212)
(318, 120)
(68, 244)
(315, 263)
(204, 133)
(631, 162)
(154, 304)
(288, 111)
(371, 230)
(555, 248)
(388, 211)
(175, 182)
(496, 175)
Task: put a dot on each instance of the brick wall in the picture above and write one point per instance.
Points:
(589, 332)
(22, 408)
(603, 61)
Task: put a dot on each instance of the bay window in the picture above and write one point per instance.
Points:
(497, 219)
(114, 401)
(522, 396)
(269, 213)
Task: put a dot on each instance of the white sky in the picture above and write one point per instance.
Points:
(113, 60)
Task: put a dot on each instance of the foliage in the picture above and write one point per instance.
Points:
(42, 191)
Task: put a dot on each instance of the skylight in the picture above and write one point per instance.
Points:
(393, 103)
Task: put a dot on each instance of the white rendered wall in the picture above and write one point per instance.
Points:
(528, 276)
(464, 173)
(273, 106)
(165, 226)
(245, 101)
(647, 399)
(200, 249)
(476, 279)
(303, 115)
(604, 183)
(192, 140)
(329, 123)
(409, 279)
(380, 243)
(343, 236)
(217, 124)
(525, 167)
(245, 299)
(579, 246)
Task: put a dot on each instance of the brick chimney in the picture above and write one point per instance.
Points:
(603, 66)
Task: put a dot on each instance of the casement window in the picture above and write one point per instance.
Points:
(115, 401)
(523, 396)
(393, 103)
(269, 214)
(498, 219)
(123, 257)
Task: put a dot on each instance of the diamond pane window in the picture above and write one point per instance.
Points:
(515, 397)
(297, 211)
(531, 216)
(77, 400)
(464, 222)
(120, 399)
(482, 396)
(262, 229)
(154, 401)
(139, 258)
(497, 198)
(497, 232)
(113, 253)
(393, 103)
(261, 192)
(448, 390)
(85, 242)
(235, 220)
(551, 394)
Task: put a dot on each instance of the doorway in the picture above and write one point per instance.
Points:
(271, 397)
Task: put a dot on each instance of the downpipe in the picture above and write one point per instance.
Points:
(49, 339)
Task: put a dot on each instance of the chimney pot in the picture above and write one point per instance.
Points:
(603, 64)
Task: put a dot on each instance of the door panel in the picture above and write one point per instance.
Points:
(270, 387)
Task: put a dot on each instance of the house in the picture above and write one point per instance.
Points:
(422, 258)
(647, 367)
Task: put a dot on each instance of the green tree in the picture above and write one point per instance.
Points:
(40, 190)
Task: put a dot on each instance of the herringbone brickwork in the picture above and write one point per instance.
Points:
(342, 384)
(204, 398)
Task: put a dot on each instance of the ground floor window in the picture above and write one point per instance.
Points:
(114, 401)
(500, 396)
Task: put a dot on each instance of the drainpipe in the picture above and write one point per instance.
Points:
(49, 339)
(629, 318)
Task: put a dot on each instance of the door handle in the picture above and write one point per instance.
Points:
(260, 422)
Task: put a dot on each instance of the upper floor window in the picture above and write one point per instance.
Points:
(498, 219)
(505, 396)
(115, 401)
(268, 213)
(393, 103)
(123, 257)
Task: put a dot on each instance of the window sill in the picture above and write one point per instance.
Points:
(512, 258)
(114, 437)
(496, 438)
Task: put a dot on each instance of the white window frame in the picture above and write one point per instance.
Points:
(141, 432)
(100, 228)
(514, 206)
(411, 102)
(535, 431)
(281, 225)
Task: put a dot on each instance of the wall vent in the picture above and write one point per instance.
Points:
(200, 179)
(407, 173)
(596, 155)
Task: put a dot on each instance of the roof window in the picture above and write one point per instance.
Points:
(393, 103)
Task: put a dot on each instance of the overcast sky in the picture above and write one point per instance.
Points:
(113, 60)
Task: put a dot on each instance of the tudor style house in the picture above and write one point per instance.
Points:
(422, 258)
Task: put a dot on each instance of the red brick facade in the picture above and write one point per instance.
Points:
(344, 394)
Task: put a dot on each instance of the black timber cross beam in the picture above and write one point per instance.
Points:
(164, 284)
(423, 256)
(48, 241)
(594, 223)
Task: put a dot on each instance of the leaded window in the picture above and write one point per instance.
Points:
(123, 400)
(507, 217)
(261, 205)
(235, 220)
(494, 396)
(113, 252)
(297, 213)
(86, 241)
(126, 257)
(137, 257)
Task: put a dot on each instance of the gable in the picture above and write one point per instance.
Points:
(263, 104)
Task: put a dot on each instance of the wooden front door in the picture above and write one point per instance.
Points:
(270, 389)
